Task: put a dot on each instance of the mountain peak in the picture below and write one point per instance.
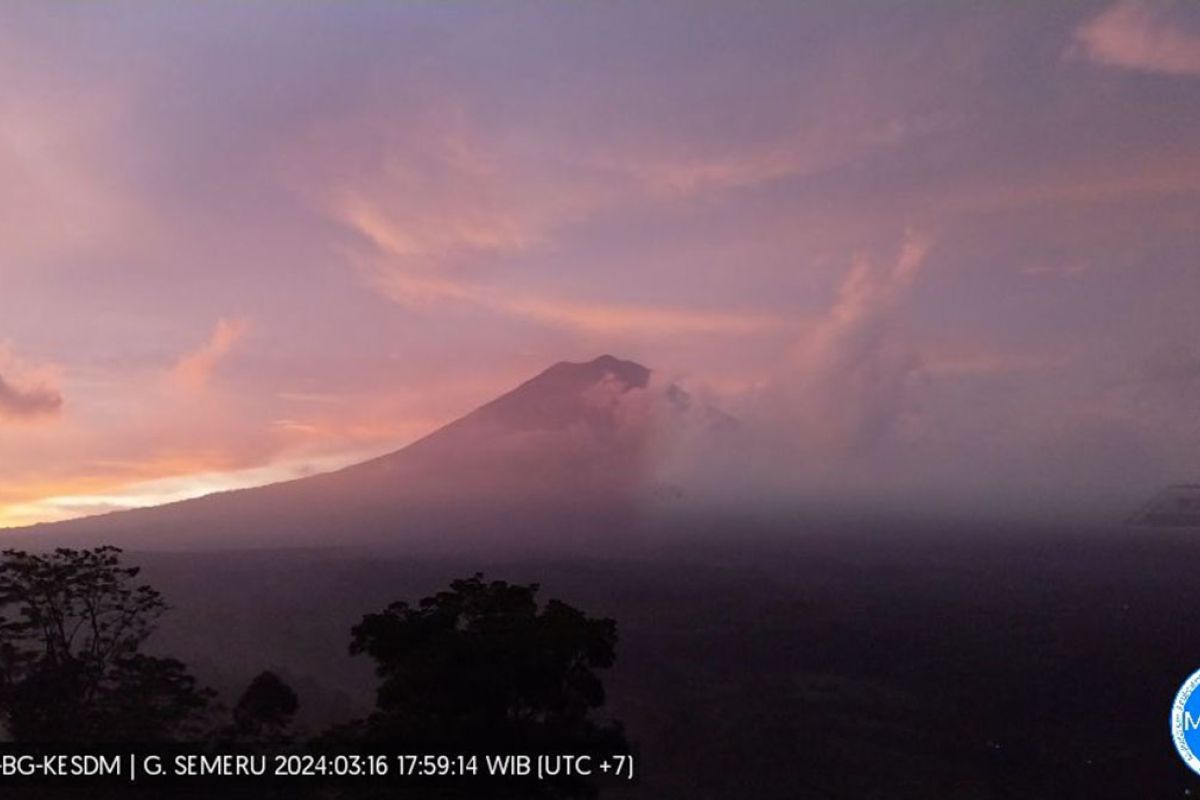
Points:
(560, 394)
(571, 431)
(630, 373)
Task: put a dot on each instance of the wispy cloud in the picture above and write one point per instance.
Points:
(966, 362)
(196, 368)
(677, 176)
(1142, 36)
(592, 317)
(434, 238)
(808, 148)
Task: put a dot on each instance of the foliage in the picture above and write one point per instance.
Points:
(72, 623)
(483, 666)
(265, 710)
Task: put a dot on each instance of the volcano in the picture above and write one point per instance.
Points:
(561, 458)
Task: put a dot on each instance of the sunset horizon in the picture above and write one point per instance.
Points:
(884, 236)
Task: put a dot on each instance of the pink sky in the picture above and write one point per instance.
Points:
(242, 242)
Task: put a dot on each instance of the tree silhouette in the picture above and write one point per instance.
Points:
(72, 623)
(483, 667)
(265, 710)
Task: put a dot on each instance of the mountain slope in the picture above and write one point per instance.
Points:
(561, 457)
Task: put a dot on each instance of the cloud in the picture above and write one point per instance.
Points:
(602, 318)
(444, 212)
(435, 238)
(28, 402)
(65, 190)
(27, 392)
(683, 176)
(966, 362)
(448, 256)
(808, 148)
(614, 318)
(430, 189)
(1141, 36)
(848, 383)
(435, 258)
(195, 369)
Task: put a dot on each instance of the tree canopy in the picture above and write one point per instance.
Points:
(485, 666)
(265, 710)
(72, 624)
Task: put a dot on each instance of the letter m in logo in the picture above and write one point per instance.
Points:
(1190, 723)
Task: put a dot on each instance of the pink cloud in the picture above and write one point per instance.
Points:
(18, 402)
(196, 368)
(849, 380)
(590, 317)
(1141, 36)
(27, 392)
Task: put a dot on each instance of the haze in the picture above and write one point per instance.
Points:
(926, 255)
